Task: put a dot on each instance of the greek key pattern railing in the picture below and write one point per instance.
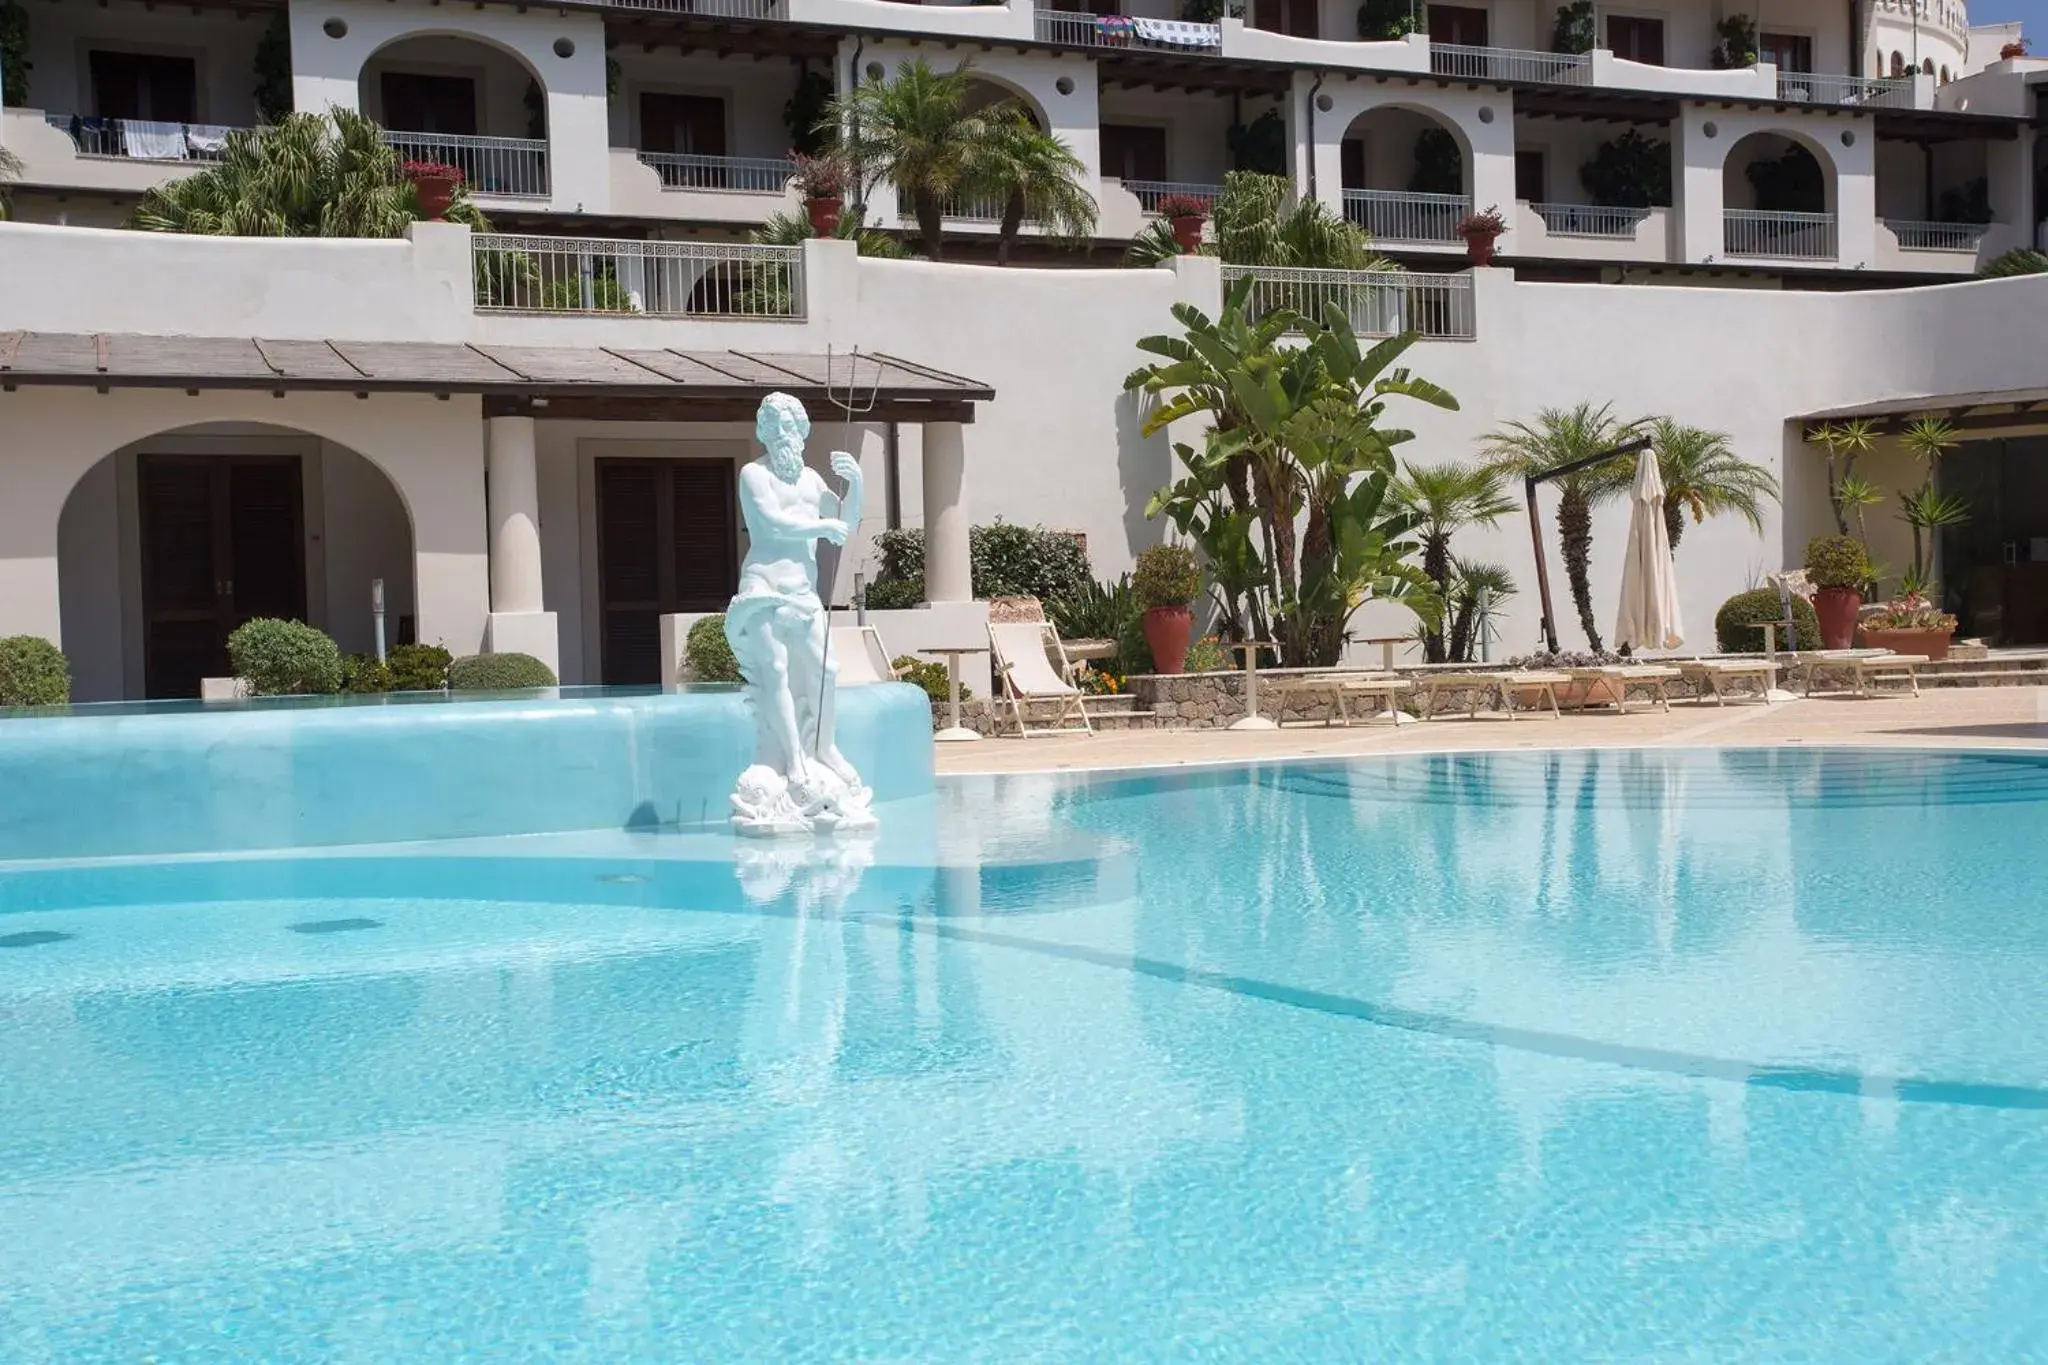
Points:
(744, 174)
(1377, 302)
(504, 167)
(1589, 220)
(710, 9)
(655, 279)
(142, 139)
(1511, 64)
(1118, 30)
(1786, 236)
(1878, 92)
(1937, 236)
(1406, 216)
(1150, 192)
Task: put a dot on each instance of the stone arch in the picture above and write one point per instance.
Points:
(988, 88)
(1407, 172)
(150, 536)
(1898, 63)
(508, 96)
(1787, 187)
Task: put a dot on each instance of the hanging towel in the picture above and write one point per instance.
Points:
(206, 139)
(1176, 33)
(146, 141)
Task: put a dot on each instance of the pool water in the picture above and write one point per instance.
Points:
(1660, 1055)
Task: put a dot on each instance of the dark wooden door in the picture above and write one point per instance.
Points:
(223, 540)
(1133, 152)
(1636, 40)
(1457, 25)
(417, 103)
(135, 85)
(667, 542)
(693, 124)
(1529, 177)
(1295, 17)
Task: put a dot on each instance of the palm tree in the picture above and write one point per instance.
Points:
(792, 229)
(1559, 437)
(1259, 222)
(1037, 177)
(1476, 593)
(1445, 498)
(914, 129)
(303, 176)
(10, 171)
(1701, 471)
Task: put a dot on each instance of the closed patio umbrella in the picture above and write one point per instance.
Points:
(1649, 588)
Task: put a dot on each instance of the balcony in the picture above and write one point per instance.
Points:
(709, 9)
(1126, 31)
(495, 167)
(1404, 216)
(1150, 192)
(142, 140)
(734, 174)
(590, 277)
(1918, 236)
(1376, 302)
(1759, 233)
(1590, 220)
(1869, 92)
(1511, 64)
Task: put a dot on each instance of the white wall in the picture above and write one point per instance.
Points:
(222, 47)
(753, 92)
(1843, 142)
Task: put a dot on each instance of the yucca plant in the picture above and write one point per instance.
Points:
(1924, 509)
(1841, 443)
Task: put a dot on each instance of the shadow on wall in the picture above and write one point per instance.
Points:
(1144, 465)
(1805, 511)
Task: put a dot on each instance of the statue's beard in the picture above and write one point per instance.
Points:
(786, 463)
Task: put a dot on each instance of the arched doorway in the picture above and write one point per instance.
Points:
(1407, 175)
(1778, 194)
(464, 102)
(166, 545)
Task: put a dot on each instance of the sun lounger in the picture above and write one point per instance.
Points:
(1621, 677)
(1498, 685)
(1024, 653)
(1343, 686)
(1862, 665)
(861, 657)
(1707, 676)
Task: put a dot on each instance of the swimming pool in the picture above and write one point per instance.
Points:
(1713, 1055)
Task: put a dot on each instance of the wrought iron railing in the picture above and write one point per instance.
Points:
(1511, 64)
(143, 139)
(1879, 92)
(658, 279)
(1376, 302)
(1407, 216)
(1915, 236)
(1589, 220)
(746, 174)
(1122, 30)
(1790, 236)
(1150, 192)
(710, 9)
(503, 167)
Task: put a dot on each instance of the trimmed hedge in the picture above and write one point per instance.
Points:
(33, 672)
(1836, 562)
(708, 654)
(1735, 625)
(498, 673)
(1005, 560)
(284, 658)
(418, 668)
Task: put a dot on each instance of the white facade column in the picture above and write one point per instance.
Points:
(948, 576)
(518, 624)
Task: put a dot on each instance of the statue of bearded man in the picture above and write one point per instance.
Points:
(779, 631)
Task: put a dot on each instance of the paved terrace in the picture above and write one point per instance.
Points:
(1984, 718)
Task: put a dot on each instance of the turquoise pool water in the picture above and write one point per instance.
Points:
(1709, 1056)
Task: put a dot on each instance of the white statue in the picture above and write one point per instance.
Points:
(780, 632)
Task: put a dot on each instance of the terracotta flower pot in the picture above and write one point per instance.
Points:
(1168, 631)
(435, 193)
(1479, 248)
(824, 214)
(1932, 643)
(1837, 608)
(1187, 235)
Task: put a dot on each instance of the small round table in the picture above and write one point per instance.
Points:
(1387, 644)
(1252, 720)
(955, 732)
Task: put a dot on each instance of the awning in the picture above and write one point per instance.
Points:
(1984, 413)
(600, 383)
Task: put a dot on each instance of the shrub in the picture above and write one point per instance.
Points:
(1166, 577)
(708, 654)
(896, 594)
(498, 673)
(1735, 625)
(284, 658)
(364, 673)
(1183, 206)
(418, 668)
(33, 672)
(1206, 655)
(1005, 561)
(1837, 561)
(928, 675)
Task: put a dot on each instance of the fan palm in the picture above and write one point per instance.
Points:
(1258, 222)
(915, 130)
(1036, 176)
(1476, 592)
(1701, 471)
(791, 229)
(1557, 438)
(303, 176)
(1446, 498)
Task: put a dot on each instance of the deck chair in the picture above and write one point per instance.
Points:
(1024, 653)
(861, 658)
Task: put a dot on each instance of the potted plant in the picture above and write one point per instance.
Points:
(1910, 625)
(822, 182)
(1187, 213)
(1838, 567)
(2013, 51)
(1166, 582)
(434, 184)
(1480, 231)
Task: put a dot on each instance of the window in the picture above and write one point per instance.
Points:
(1130, 152)
(1636, 40)
(1898, 63)
(1529, 179)
(1788, 51)
(1927, 67)
(140, 86)
(416, 103)
(1351, 163)
(1944, 75)
(1458, 26)
(1295, 17)
(691, 124)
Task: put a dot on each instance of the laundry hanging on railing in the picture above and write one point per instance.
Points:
(148, 141)
(1177, 33)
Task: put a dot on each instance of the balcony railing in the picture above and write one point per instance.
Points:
(710, 9)
(742, 174)
(142, 139)
(1511, 64)
(1406, 216)
(656, 279)
(1937, 236)
(1589, 220)
(1150, 192)
(1376, 302)
(1879, 92)
(503, 167)
(1123, 30)
(1787, 236)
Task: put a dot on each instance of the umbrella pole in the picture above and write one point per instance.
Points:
(1542, 571)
